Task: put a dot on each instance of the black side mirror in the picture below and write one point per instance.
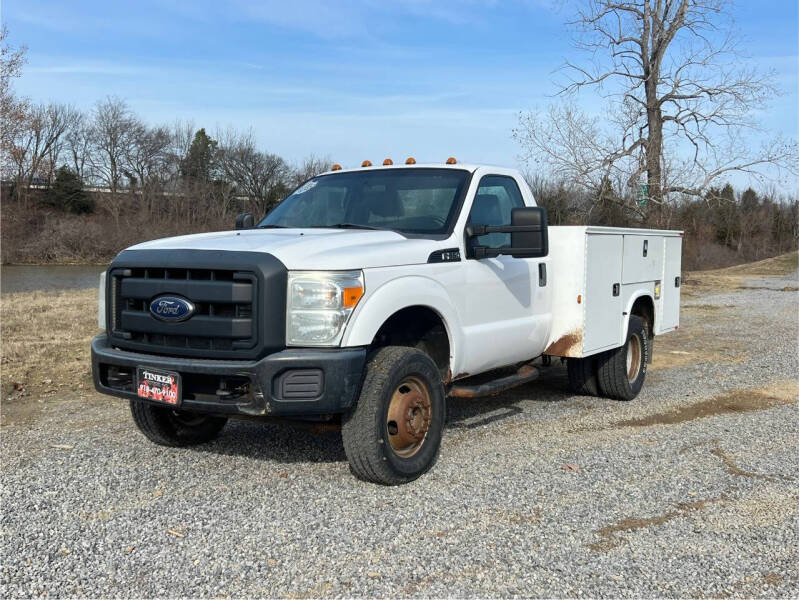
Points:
(531, 239)
(245, 221)
(528, 234)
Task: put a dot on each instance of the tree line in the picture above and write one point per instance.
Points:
(81, 185)
(176, 171)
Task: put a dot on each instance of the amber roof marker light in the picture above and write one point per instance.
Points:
(366, 163)
(451, 160)
(387, 162)
(410, 160)
(336, 167)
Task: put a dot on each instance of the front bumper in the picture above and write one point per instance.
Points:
(294, 382)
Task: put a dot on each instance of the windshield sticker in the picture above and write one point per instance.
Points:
(308, 185)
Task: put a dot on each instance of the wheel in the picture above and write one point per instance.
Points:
(169, 427)
(582, 376)
(393, 433)
(621, 372)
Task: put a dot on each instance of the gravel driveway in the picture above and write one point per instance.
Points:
(690, 490)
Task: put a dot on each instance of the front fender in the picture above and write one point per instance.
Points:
(393, 296)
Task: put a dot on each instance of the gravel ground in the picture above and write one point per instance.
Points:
(690, 490)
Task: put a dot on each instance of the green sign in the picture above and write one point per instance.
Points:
(643, 194)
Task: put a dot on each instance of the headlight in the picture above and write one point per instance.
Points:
(101, 302)
(319, 305)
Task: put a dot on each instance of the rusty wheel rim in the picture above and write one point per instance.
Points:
(409, 415)
(633, 358)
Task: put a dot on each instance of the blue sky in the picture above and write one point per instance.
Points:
(351, 80)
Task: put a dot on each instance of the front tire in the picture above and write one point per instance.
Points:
(393, 434)
(621, 371)
(168, 427)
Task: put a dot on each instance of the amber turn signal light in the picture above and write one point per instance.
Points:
(350, 296)
(410, 160)
(336, 167)
(388, 161)
(366, 163)
(451, 160)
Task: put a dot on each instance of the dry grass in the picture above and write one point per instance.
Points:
(734, 278)
(45, 343)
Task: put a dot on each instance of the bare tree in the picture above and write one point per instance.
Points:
(147, 156)
(37, 145)
(113, 134)
(311, 166)
(260, 176)
(12, 109)
(78, 141)
(680, 104)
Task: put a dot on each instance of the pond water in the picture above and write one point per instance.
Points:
(26, 278)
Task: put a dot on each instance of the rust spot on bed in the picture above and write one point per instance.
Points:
(567, 345)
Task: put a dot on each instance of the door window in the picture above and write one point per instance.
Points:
(496, 196)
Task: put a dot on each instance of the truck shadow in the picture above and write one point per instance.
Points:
(297, 442)
(472, 413)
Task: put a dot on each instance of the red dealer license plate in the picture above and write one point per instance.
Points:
(157, 385)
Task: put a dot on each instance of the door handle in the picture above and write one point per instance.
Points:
(646, 247)
(542, 274)
(616, 289)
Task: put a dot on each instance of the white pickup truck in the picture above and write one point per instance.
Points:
(370, 295)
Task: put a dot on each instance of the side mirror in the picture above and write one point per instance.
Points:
(528, 234)
(245, 221)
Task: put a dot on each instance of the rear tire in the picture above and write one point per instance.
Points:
(169, 427)
(583, 376)
(621, 372)
(393, 433)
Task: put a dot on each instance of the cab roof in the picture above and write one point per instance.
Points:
(457, 166)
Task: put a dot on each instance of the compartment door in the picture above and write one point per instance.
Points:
(643, 258)
(670, 288)
(603, 300)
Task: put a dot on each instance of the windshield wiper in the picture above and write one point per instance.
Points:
(350, 226)
(273, 227)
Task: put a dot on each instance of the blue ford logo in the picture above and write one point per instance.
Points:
(171, 308)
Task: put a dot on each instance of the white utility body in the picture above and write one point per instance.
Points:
(600, 273)
(374, 293)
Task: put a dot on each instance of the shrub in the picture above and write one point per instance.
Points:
(67, 193)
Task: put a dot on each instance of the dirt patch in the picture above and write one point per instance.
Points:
(692, 342)
(734, 469)
(735, 401)
(610, 539)
(787, 288)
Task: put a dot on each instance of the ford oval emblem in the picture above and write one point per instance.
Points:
(171, 308)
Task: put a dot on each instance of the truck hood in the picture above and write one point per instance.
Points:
(311, 248)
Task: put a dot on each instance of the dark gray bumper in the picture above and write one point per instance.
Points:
(292, 382)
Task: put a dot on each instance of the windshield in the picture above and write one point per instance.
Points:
(405, 200)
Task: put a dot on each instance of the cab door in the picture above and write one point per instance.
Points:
(505, 306)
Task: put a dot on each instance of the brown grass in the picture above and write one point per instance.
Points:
(45, 344)
(734, 278)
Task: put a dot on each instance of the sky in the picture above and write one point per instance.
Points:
(350, 79)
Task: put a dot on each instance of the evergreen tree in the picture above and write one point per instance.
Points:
(67, 193)
(199, 164)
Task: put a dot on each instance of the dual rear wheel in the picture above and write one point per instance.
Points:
(617, 373)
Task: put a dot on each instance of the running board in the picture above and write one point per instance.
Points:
(523, 375)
